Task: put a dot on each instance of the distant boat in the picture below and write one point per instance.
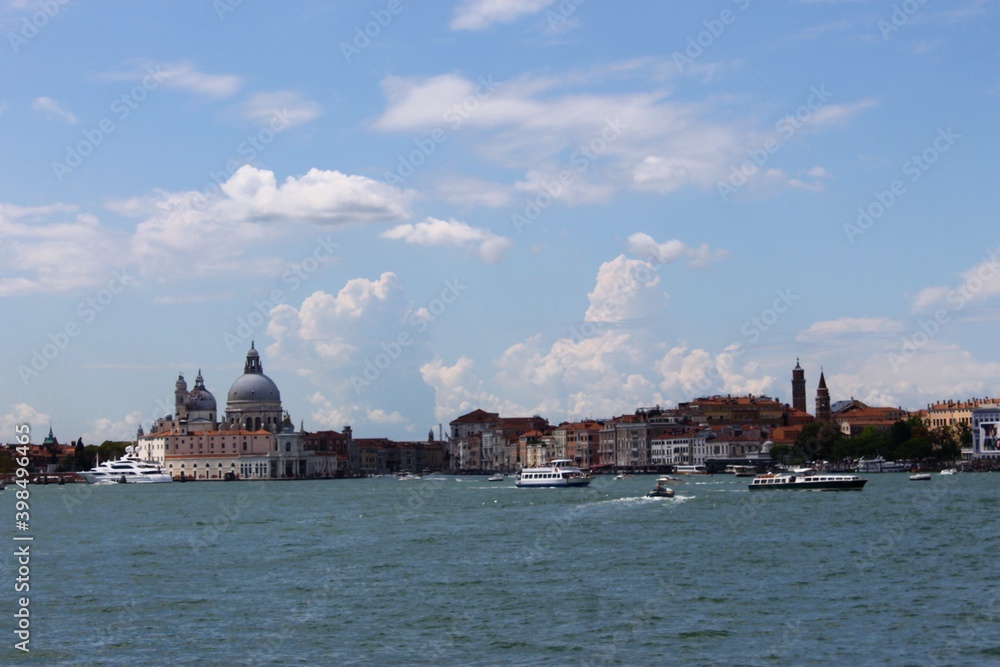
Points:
(949, 471)
(807, 479)
(495, 478)
(661, 491)
(691, 470)
(559, 473)
(920, 477)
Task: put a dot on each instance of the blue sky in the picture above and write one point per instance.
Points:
(561, 208)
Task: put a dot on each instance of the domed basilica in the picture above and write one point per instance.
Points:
(254, 440)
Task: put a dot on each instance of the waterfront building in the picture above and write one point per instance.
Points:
(986, 431)
(499, 444)
(853, 417)
(679, 449)
(339, 448)
(465, 441)
(748, 409)
(254, 440)
(954, 413)
(582, 440)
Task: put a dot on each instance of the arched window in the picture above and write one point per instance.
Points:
(258, 424)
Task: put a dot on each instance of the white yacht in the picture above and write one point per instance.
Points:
(129, 469)
(559, 472)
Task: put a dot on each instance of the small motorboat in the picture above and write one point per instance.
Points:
(495, 478)
(949, 471)
(661, 491)
(920, 477)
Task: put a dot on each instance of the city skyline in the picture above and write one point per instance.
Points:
(633, 206)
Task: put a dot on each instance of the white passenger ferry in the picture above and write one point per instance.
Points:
(808, 479)
(559, 472)
(691, 470)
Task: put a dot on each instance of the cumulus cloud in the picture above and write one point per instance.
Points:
(433, 232)
(348, 345)
(251, 207)
(609, 363)
(481, 14)
(331, 328)
(51, 110)
(625, 289)
(646, 247)
(102, 429)
(22, 413)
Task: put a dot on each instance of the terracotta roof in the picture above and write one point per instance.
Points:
(476, 417)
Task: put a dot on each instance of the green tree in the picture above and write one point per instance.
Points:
(870, 443)
(80, 456)
(898, 433)
(816, 441)
(915, 449)
(112, 449)
(6, 461)
(780, 453)
(946, 443)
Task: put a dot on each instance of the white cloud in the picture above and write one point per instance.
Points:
(833, 114)
(607, 364)
(251, 207)
(181, 76)
(102, 429)
(186, 77)
(433, 232)
(977, 283)
(383, 417)
(328, 416)
(481, 14)
(850, 326)
(599, 141)
(286, 107)
(469, 191)
(911, 378)
(55, 249)
(625, 289)
(49, 108)
(360, 347)
(457, 390)
(22, 413)
(645, 246)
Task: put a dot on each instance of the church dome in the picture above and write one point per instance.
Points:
(200, 399)
(254, 387)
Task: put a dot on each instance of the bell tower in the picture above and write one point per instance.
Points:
(798, 387)
(822, 400)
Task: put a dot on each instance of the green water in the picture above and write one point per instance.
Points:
(461, 571)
